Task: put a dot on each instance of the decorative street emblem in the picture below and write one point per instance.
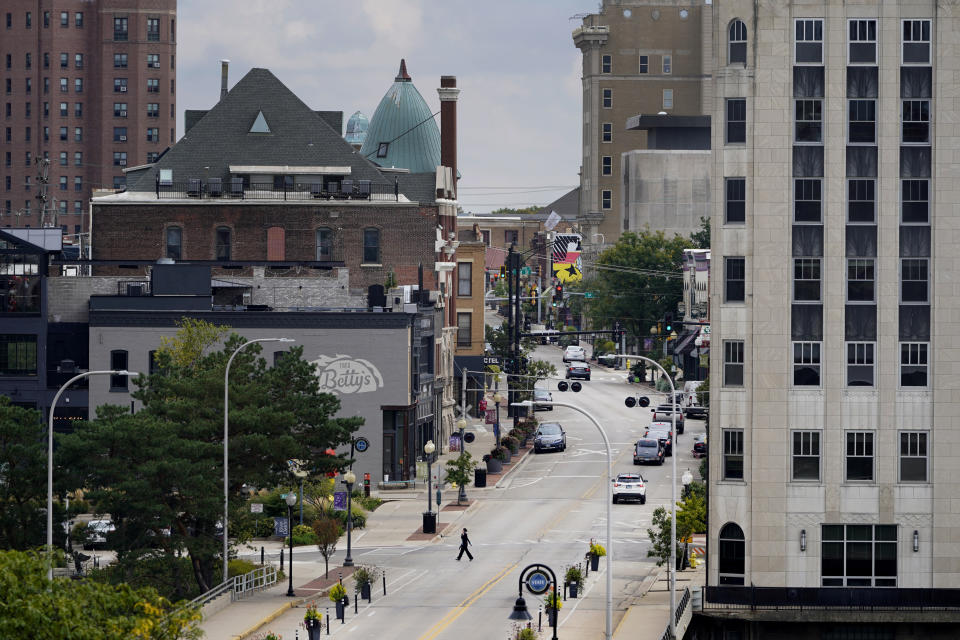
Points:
(343, 374)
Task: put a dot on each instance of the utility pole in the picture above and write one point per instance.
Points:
(508, 365)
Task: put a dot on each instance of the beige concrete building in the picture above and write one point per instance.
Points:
(639, 57)
(834, 415)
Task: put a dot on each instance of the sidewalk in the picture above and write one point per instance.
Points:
(398, 521)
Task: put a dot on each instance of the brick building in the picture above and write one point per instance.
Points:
(89, 89)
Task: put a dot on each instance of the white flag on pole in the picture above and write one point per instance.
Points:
(552, 220)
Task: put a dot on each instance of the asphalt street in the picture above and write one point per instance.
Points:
(546, 512)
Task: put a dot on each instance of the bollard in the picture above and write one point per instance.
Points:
(355, 598)
(261, 556)
(281, 559)
(384, 583)
(540, 619)
(328, 620)
(343, 620)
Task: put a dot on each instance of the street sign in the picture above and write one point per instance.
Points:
(361, 444)
(339, 500)
(588, 294)
(524, 271)
(537, 582)
(256, 507)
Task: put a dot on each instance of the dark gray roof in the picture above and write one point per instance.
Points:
(299, 136)
(421, 187)
(567, 206)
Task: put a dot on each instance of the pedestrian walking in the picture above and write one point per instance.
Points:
(464, 542)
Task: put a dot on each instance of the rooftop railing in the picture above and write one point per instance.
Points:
(235, 189)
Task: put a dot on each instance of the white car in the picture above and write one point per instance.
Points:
(574, 352)
(629, 486)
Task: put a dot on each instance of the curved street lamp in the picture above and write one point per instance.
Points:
(53, 406)
(226, 432)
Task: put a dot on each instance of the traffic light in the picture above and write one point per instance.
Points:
(668, 322)
(503, 271)
(558, 293)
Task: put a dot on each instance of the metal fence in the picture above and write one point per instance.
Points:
(235, 189)
(798, 598)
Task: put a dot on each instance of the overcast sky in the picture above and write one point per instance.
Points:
(516, 66)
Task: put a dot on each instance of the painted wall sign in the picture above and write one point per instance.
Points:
(565, 258)
(343, 374)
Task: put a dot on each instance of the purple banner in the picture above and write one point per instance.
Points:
(454, 443)
(339, 500)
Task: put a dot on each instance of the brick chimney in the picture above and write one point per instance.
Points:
(224, 67)
(448, 125)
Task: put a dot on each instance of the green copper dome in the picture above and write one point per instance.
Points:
(403, 132)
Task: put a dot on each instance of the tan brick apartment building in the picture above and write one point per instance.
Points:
(88, 86)
(638, 58)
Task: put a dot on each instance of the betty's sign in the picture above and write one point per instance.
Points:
(343, 374)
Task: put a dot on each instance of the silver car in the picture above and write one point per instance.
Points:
(540, 396)
(549, 436)
(648, 450)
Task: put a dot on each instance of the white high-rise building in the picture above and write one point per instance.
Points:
(835, 370)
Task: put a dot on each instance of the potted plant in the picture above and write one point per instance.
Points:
(574, 579)
(311, 621)
(595, 553)
(527, 634)
(365, 577)
(494, 465)
(553, 604)
(338, 595)
(510, 443)
(520, 434)
(500, 454)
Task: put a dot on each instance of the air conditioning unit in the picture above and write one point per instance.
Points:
(123, 89)
(155, 65)
(123, 114)
(123, 163)
(123, 138)
(247, 297)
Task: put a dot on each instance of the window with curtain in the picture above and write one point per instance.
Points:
(223, 241)
(371, 246)
(464, 278)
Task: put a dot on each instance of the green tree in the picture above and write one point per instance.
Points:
(328, 532)
(459, 470)
(159, 472)
(637, 282)
(23, 476)
(691, 518)
(701, 237)
(35, 609)
(507, 211)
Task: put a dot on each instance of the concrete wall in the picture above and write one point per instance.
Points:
(666, 191)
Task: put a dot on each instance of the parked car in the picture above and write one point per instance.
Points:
(663, 435)
(665, 412)
(648, 450)
(542, 395)
(629, 486)
(574, 352)
(608, 360)
(578, 370)
(700, 446)
(97, 532)
(549, 435)
(695, 411)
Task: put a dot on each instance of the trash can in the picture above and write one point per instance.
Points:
(429, 522)
(480, 477)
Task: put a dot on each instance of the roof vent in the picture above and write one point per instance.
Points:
(260, 124)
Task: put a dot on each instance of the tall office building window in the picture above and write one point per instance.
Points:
(914, 280)
(859, 455)
(913, 456)
(916, 42)
(862, 121)
(806, 364)
(858, 555)
(807, 200)
(861, 200)
(606, 134)
(806, 279)
(733, 363)
(913, 364)
(916, 122)
(736, 210)
(606, 199)
(808, 41)
(733, 454)
(734, 285)
(915, 201)
(668, 98)
(608, 98)
(606, 165)
(736, 120)
(808, 121)
(860, 364)
(737, 45)
(861, 280)
(644, 64)
(606, 63)
(862, 41)
(805, 461)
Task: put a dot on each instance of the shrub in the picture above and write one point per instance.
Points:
(369, 503)
(597, 549)
(365, 575)
(238, 567)
(552, 600)
(302, 535)
(510, 443)
(359, 518)
(337, 593)
(574, 575)
(499, 453)
(527, 634)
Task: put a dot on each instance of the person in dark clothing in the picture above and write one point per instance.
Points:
(464, 541)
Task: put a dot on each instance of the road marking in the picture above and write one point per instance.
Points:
(459, 610)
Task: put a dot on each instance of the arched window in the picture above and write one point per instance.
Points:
(371, 246)
(222, 246)
(738, 42)
(324, 244)
(174, 243)
(732, 552)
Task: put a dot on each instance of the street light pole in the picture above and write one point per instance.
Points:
(672, 569)
(226, 435)
(497, 399)
(349, 477)
(291, 500)
(53, 406)
(606, 478)
(428, 449)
